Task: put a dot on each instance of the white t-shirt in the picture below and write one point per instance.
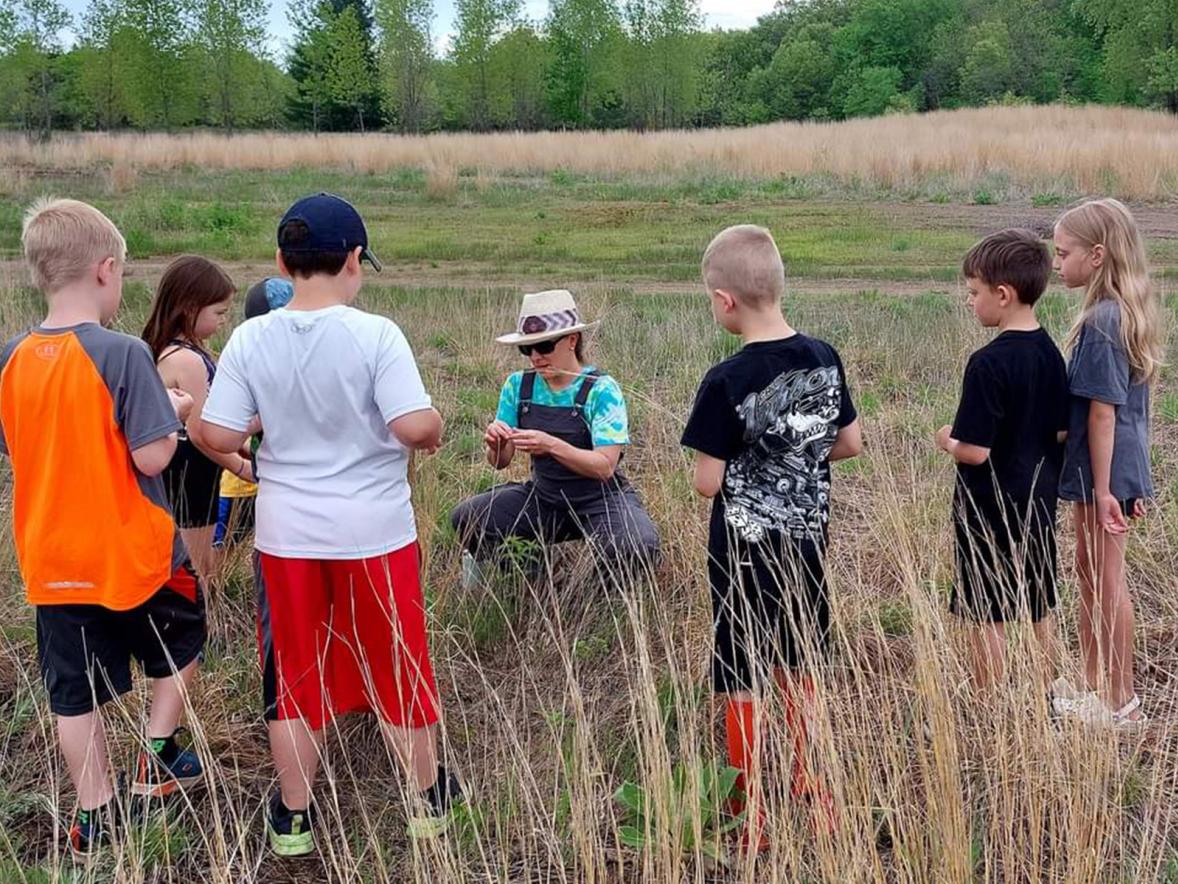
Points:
(333, 480)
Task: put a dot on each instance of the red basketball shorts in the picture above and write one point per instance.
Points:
(340, 636)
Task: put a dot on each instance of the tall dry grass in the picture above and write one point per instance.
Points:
(1133, 153)
(557, 690)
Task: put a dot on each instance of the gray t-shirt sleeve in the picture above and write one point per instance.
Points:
(1100, 368)
(142, 407)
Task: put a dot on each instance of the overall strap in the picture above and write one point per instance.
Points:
(527, 387)
(586, 389)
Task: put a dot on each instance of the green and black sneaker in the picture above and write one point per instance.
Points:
(291, 831)
(436, 806)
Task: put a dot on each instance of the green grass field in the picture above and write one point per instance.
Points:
(557, 692)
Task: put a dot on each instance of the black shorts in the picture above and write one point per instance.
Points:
(1005, 573)
(770, 610)
(194, 487)
(85, 651)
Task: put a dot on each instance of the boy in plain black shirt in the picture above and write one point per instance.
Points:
(1007, 441)
(765, 426)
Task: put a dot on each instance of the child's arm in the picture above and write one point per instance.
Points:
(709, 475)
(153, 458)
(188, 371)
(419, 430)
(1102, 419)
(848, 442)
(962, 452)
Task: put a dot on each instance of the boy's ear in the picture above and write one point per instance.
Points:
(282, 269)
(352, 265)
(727, 300)
(1006, 294)
(107, 268)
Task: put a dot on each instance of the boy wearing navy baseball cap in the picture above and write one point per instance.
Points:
(341, 619)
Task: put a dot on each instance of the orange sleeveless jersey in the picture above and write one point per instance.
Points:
(89, 528)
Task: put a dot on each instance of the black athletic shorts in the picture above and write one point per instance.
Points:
(85, 651)
(1006, 566)
(771, 609)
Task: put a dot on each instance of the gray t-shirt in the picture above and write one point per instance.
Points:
(1099, 370)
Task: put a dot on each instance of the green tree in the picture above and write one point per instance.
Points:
(37, 27)
(232, 41)
(479, 23)
(1139, 39)
(349, 72)
(988, 70)
(406, 60)
(584, 40)
(102, 59)
(797, 83)
(328, 60)
(519, 61)
(161, 81)
(664, 55)
(871, 91)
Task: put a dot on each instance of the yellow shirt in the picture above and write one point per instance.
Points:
(232, 486)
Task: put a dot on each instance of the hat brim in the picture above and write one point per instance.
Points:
(517, 338)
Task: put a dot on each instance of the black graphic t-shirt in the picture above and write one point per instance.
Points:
(772, 413)
(1014, 401)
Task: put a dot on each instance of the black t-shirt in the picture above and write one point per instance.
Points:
(1014, 401)
(772, 413)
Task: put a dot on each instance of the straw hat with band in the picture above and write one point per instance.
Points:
(545, 316)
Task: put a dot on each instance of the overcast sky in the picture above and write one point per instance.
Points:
(717, 13)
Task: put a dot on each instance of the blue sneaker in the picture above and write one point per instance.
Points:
(93, 829)
(166, 768)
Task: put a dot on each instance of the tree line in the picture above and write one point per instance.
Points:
(601, 64)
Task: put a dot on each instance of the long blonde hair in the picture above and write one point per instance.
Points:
(1123, 277)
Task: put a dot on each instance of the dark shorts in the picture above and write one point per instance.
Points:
(1004, 574)
(194, 487)
(770, 608)
(85, 651)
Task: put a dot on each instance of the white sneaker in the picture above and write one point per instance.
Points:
(472, 571)
(1062, 689)
(1092, 712)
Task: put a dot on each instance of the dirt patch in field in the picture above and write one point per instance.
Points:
(1155, 222)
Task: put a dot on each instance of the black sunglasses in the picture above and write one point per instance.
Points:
(544, 348)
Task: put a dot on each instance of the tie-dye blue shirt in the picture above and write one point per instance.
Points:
(605, 408)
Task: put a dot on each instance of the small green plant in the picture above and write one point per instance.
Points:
(984, 198)
(895, 618)
(1051, 198)
(694, 805)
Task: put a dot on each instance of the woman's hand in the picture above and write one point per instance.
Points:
(497, 435)
(535, 442)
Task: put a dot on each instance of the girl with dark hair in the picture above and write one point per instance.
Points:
(190, 306)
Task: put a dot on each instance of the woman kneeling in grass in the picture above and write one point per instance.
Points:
(572, 420)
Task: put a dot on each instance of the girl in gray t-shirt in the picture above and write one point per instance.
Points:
(1115, 352)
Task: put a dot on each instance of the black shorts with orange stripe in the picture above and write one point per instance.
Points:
(85, 651)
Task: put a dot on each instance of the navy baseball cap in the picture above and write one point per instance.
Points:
(333, 225)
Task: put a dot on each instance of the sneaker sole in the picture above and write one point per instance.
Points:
(291, 845)
(162, 790)
(425, 829)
